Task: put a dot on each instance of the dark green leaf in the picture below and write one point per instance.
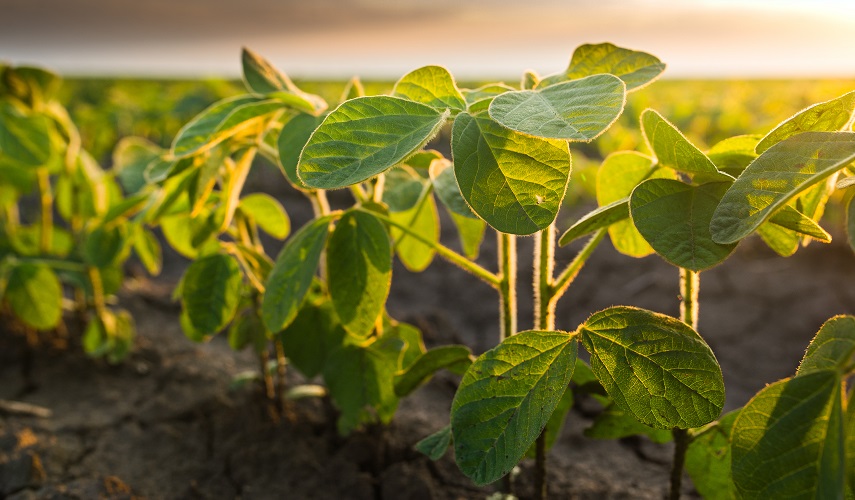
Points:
(24, 139)
(35, 295)
(435, 445)
(600, 218)
(292, 139)
(429, 363)
(403, 189)
(131, 158)
(708, 460)
(105, 245)
(211, 291)
(312, 336)
(615, 423)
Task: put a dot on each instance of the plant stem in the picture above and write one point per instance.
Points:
(269, 389)
(449, 254)
(569, 273)
(46, 201)
(507, 285)
(280, 373)
(544, 319)
(689, 286)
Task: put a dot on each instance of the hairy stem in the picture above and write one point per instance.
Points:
(46, 202)
(689, 286)
(544, 319)
(507, 285)
(320, 208)
(447, 253)
(569, 273)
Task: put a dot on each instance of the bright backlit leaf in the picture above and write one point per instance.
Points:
(578, 110)
(733, 154)
(506, 398)
(675, 219)
(673, 150)
(833, 347)
(268, 213)
(514, 182)
(790, 218)
(211, 292)
(654, 366)
(364, 137)
(359, 263)
(850, 222)
(292, 274)
(788, 441)
(431, 85)
(147, 248)
(635, 68)
(471, 233)
(479, 99)
(781, 173)
(221, 121)
(35, 295)
(422, 220)
(828, 116)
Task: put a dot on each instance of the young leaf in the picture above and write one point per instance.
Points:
(479, 99)
(833, 347)
(654, 366)
(429, 363)
(733, 154)
(790, 218)
(529, 79)
(422, 220)
(292, 274)
(597, 219)
(675, 219)
(359, 262)
(578, 110)
(147, 249)
(360, 378)
(24, 139)
(781, 240)
(211, 291)
(433, 86)
(781, 173)
(353, 89)
(616, 178)
(788, 441)
(364, 137)
(708, 460)
(268, 213)
(514, 182)
(506, 398)
(471, 233)
(445, 185)
(292, 139)
(673, 150)
(35, 295)
(635, 68)
(260, 76)
(615, 423)
(403, 189)
(828, 116)
(435, 445)
(221, 121)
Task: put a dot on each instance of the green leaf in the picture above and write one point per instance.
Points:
(221, 121)
(147, 248)
(360, 378)
(429, 363)
(675, 219)
(431, 85)
(268, 213)
(435, 445)
(211, 292)
(131, 158)
(353, 89)
(445, 185)
(479, 99)
(790, 218)
(832, 348)
(359, 263)
(781, 240)
(514, 182)
(312, 336)
(616, 423)
(781, 173)
(35, 295)
(828, 116)
(597, 219)
(364, 137)
(422, 220)
(506, 398)
(555, 424)
(788, 441)
(635, 68)
(105, 245)
(403, 189)
(616, 178)
(260, 76)
(708, 460)
(578, 110)
(248, 329)
(24, 139)
(733, 154)
(292, 274)
(292, 139)
(654, 366)
(471, 234)
(673, 150)
(850, 222)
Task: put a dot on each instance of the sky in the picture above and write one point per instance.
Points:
(387, 38)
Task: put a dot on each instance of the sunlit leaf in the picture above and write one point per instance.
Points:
(479, 99)
(262, 78)
(828, 116)
(514, 182)
(147, 248)
(423, 220)
(268, 213)
(403, 189)
(673, 150)
(833, 347)
(446, 188)
(635, 68)
(733, 154)
(431, 85)
(790, 218)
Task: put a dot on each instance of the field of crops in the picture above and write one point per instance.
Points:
(276, 289)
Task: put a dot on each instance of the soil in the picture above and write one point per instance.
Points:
(167, 423)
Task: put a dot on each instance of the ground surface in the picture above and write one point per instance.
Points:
(165, 424)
